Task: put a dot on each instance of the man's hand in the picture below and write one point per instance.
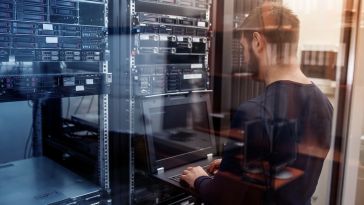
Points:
(214, 166)
(191, 174)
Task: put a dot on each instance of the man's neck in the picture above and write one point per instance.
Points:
(285, 72)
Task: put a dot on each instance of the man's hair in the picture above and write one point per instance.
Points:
(278, 25)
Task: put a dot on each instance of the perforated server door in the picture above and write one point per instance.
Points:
(54, 83)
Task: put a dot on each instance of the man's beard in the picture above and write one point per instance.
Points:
(253, 65)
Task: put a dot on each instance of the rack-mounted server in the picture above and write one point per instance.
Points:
(29, 87)
(34, 42)
(188, 4)
(164, 79)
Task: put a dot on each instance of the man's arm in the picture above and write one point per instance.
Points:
(209, 190)
(190, 175)
(224, 188)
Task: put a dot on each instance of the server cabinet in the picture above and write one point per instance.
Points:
(54, 79)
(164, 54)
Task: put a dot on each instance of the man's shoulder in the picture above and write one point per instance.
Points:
(249, 109)
(320, 102)
(250, 104)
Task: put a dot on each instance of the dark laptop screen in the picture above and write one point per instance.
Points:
(179, 129)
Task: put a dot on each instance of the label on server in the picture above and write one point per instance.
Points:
(163, 38)
(196, 66)
(192, 76)
(89, 81)
(51, 39)
(80, 88)
(48, 27)
(196, 40)
(201, 24)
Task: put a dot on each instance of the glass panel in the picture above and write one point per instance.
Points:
(211, 102)
(354, 171)
(318, 56)
(264, 86)
(321, 54)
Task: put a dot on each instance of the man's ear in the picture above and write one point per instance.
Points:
(258, 41)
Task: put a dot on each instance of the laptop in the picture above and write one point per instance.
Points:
(178, 135)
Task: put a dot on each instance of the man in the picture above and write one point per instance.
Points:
(269, 39)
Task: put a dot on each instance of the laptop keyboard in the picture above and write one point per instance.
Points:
(177, 178)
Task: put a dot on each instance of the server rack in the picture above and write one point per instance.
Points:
(170, 59)
(164, 52)
(54, 57)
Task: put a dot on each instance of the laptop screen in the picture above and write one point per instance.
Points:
(178, 133)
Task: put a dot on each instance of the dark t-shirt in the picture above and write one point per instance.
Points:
(311, 110)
